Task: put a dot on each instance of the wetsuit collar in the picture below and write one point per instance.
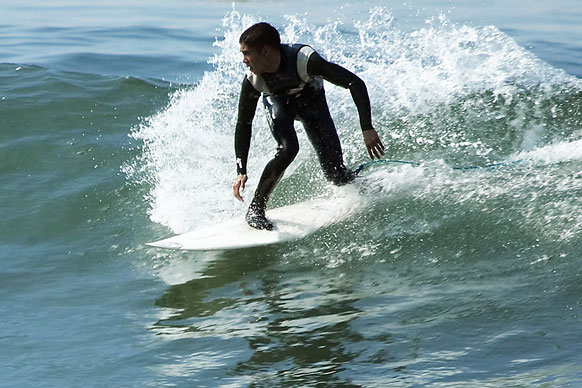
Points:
(282, 62)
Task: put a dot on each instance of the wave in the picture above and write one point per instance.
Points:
(446, 93)
(46, 78)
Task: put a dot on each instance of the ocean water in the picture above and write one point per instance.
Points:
(116, 129)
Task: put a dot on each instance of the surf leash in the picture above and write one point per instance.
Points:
(362, 166)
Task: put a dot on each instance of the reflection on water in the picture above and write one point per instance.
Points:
(275, 316)
(299, 321)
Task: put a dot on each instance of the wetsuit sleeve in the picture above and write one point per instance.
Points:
(337, 75)
(247, 106)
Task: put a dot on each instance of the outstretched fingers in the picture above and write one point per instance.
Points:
(373, 143)
(377, 150)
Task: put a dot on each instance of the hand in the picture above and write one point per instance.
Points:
(239, 184)
(373, 143)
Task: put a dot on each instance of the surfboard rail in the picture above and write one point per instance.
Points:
(291, 222)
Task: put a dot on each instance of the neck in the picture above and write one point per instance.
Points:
(274, 61)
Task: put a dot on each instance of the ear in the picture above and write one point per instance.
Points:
(266, 51)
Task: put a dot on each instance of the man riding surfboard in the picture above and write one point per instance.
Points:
(290, 80)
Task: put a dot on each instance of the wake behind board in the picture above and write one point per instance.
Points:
(291, 223)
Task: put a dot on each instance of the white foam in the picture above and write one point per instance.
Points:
(560, 152)
(188, 156)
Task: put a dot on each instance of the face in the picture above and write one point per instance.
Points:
(255, 59)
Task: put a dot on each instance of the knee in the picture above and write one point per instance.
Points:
(287, 151)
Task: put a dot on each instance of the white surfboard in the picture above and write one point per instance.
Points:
(290, 223)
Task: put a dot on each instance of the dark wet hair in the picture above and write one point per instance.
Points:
(260, 35)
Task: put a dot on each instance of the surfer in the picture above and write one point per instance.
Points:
(290, 80)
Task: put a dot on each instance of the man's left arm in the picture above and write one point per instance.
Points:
(337, 75)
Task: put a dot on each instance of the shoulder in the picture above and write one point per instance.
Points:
(302, 50)
(248, 89)
(304, 54)
(256, 81)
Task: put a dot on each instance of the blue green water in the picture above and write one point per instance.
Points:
(116, 129)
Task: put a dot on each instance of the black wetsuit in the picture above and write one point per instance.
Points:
(287, 97)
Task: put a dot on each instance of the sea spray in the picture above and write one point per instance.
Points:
(452, 93)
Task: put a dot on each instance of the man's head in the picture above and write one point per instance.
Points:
(260, 45)
(259, 35)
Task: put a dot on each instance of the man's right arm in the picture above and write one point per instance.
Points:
(247, 105)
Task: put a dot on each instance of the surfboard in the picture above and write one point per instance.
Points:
(291, 222)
